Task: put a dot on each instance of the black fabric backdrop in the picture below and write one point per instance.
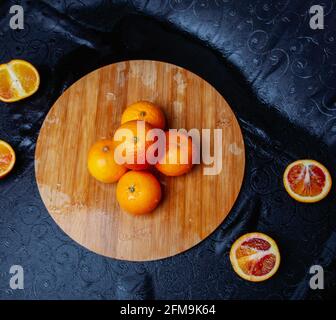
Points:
(279, 77)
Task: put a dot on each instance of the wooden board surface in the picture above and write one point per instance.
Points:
(193, 205)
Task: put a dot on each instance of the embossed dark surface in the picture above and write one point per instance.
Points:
(278, 75)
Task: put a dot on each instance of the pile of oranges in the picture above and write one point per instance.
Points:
(138, 190)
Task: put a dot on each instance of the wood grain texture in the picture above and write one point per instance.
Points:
(193, 205)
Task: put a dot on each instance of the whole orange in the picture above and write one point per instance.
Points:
(101, 163)
(178, 155)
(132, 144)
(146, 111)
(138, 192)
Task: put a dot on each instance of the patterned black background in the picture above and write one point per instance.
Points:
(280, 79)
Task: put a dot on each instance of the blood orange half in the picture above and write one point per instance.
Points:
(7, 158)
(307, 181)
(255, 257)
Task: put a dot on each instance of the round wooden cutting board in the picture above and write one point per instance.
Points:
(193, 206)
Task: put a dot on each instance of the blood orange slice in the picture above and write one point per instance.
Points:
(7, 158)
(255, 257)
(307, 181)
